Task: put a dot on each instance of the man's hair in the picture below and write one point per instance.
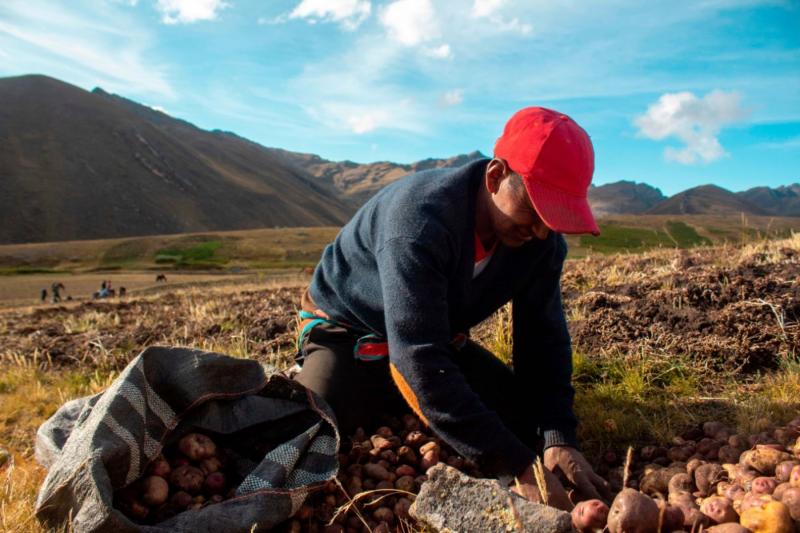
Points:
(515, 181)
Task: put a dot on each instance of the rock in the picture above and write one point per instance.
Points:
(453, 502)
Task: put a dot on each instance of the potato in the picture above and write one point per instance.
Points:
(589, 515)
(680, 482)
(633, 512)
(791, 499)
(181, 500)
(763, 485)
(187, 478)
(155, 490)
(401, 508)
(380, 443)
(753, 500)
(712, 428)
(771, 517)
(432, 446)
(405, 483)
(764, 459)
(376, 472)
(670, 516)
(780, 489)
(406, 455)
(707, 476)
(728, 527)
(729, 454)
(784, 469)
(405, 470)
(429, 459)
(214, 483)
(385, 432)
(210, 465)
(719, 509)
(197, 446)
(159, 467)
(691, 512)
(657, 481)
(416, 439)
(794, 476)
(383, 514)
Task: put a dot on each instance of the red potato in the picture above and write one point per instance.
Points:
(763, 459)
(155, 490)
(784, 470)
(794, 476)
(401, 508)
(680, 482)
(405, 470)
(712, 428)
(729, 454)
(589, 515)
(376, 471)
(380, 443)
(429, 459)
(187, 478)
(763, 485)
(405, 483)
(214, 483)
(691, 512)
(671, 517)
(719, 509)
(416, 439)
(633, 512)
(383, 514)
(210, 465)
(197, 446)
(707, 476)
(406, 455)
(780, 489)
(791, 499)
(159, 467)
(181, 500)
(431, 446)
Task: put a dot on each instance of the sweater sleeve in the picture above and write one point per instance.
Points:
(414, 289)
(543, 353)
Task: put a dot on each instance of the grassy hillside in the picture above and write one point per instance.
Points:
(299, 247)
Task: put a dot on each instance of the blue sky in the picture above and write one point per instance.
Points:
(675, 94)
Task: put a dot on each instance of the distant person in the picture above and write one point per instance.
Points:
(122, 292)
(44, 295)
(103, 293)
(56, 289)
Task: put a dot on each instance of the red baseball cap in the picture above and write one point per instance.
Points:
(555, 158)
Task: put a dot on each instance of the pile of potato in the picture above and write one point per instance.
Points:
(710, 479)
(391, 462)
(188, 476)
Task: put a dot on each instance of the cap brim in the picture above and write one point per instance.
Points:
(560, 211)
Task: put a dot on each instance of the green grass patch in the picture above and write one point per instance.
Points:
(198, 255)
(686, 236)
(621, 239)
(30, 270)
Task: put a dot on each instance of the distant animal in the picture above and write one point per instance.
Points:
(112, 293)
(56, 288)
(161, 277)
(122, 292)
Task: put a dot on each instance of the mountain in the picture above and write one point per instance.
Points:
(81, 165)
(782, 201)
(623, 197)
(357, 182)
(705, 200)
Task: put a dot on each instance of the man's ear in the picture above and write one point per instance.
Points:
(496, 171)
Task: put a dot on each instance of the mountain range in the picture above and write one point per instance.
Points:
(85, 165)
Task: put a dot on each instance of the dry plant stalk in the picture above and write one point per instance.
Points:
(626, 472)
(351, 503)
(538, 475)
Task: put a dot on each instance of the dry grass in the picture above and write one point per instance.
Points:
(626, 399)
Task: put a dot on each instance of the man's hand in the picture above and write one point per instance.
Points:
(574, 466)
(528, 489)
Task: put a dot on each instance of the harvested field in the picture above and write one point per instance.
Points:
(663, 341)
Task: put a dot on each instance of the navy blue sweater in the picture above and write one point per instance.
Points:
(402, 269)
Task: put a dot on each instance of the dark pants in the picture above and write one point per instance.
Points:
(361, 391)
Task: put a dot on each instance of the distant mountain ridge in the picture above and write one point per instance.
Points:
(89, 165)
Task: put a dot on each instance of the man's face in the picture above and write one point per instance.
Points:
(514, 219)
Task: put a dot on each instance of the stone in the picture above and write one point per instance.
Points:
(451, 502)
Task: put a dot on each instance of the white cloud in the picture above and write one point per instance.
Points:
(107, 50)
(188, 11)
(440, 52)
(484, 8)
(349, 13)
(410, 22)
(694, 121)
(454, 97)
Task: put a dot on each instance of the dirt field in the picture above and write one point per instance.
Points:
(662, 340)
